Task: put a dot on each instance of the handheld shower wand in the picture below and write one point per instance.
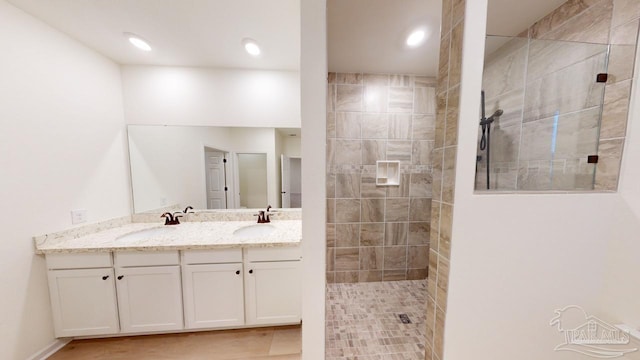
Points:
(485, 140)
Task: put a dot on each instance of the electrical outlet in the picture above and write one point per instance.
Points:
(78, 216)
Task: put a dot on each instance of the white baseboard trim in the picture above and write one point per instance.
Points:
(50, 349)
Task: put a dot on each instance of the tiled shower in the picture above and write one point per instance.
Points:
(542, 142)
(374, 232)
(558, 116)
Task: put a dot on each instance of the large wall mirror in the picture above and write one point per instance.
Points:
(210, 167)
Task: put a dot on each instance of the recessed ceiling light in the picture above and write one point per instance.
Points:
(251, 46)
(416, 38)
(138, 41)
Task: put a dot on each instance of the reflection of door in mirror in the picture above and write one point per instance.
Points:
(252, 180)
(215, 178)
(291, 176)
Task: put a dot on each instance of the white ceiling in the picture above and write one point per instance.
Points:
(204, 33)
(511, 17)
(363, 35)
(369, 36)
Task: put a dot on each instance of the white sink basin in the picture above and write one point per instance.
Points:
(143, 234)
(254, 231)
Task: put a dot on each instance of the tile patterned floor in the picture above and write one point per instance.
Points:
(362, 321)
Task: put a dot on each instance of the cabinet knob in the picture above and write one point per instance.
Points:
(120, 277)
(251, 271)
(237, 272)
(105, 277)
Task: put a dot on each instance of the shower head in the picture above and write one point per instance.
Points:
(493, 117)
(498, 113)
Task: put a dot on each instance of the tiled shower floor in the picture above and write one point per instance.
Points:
(363, 324)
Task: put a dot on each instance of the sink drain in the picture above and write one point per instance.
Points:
(404, 318)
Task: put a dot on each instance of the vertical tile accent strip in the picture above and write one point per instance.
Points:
(443, 160)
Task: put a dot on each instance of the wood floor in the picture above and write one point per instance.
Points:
(276, 343)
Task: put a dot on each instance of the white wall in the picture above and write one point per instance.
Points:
(313, 93)
(168, 161)
(622, 285)
(517, 258)
(292, 146)
(222, 97)
(62, 147)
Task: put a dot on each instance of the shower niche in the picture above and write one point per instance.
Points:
(387, 173)
(540, 118)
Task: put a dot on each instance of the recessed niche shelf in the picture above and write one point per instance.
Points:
(387, 173)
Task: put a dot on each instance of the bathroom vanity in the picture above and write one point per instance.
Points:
(147, 278)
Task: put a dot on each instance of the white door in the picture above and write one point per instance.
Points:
(273, 292)
(215, 177)
(149, 298)
(83, 302)
(213, 295)
(285, 168)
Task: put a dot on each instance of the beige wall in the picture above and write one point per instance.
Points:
(377, 233)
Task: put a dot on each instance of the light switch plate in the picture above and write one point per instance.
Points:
(78, 216)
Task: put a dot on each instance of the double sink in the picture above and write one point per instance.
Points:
(249, 231)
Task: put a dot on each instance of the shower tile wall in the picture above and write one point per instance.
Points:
(522, 137)
(444, 173)
(378, 233)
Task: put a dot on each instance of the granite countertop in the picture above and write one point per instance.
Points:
(186, 236)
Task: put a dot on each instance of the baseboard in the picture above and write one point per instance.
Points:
(50, 349)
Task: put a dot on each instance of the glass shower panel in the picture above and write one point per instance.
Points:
(551, 106)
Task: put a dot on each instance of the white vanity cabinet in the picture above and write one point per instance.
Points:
(83, 294)
(213, 288)
(149, 291)
(273, 285)
(133, 292)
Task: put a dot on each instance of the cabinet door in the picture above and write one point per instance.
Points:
(273, 292)
(149, 298)
(213, 295)
(83, 302)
